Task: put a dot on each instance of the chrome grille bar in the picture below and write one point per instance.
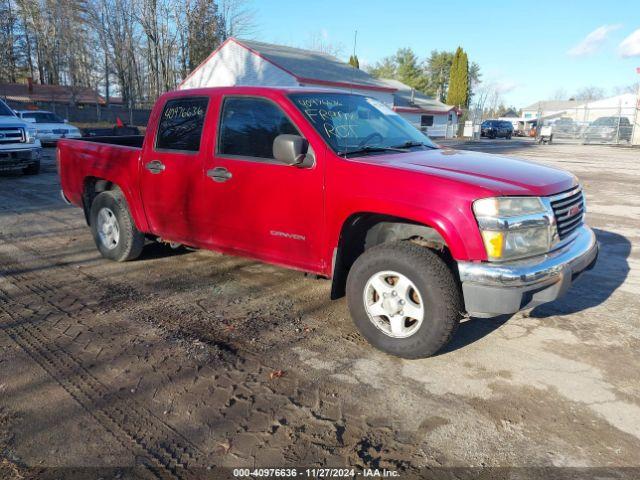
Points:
(12, 135)
(568, 209)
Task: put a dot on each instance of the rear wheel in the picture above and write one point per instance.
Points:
(404, 299)
(114, 231)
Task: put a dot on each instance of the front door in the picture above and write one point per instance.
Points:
(260, 207)
(171, 172)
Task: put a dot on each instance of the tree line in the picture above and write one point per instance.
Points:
(446, 76)
(137, 48)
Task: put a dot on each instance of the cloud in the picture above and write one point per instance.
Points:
(630, 46)
(505, 86)
(592, 42)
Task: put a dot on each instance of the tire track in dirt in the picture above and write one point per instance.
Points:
(72, 292)
(168, 453)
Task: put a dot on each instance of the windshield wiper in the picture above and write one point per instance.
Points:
(411, 143)
(371, 149)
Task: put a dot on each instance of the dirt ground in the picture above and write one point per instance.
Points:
(186, 364)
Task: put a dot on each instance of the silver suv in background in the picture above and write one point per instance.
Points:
(19, 147)
(49, 127)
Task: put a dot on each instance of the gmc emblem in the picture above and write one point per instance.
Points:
(574, 210)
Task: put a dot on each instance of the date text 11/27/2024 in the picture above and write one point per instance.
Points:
(314, 473)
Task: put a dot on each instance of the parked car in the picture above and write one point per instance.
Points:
(496, 128)
(338, 185)
(565, 127)
(609, 129)
(49, 127)
(19, 147)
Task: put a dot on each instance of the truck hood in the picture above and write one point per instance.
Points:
(499, 174)
(6, 121)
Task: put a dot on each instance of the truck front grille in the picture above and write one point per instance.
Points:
(568, 208)
(11, 135)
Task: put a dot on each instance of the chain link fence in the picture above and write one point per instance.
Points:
(612, 125)
(87, 114)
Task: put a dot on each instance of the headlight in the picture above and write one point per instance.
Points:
(514, 227)
(30, 135)
(507, 206)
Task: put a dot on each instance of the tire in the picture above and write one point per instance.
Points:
(435, 287)
(127, 244)
(32, 169)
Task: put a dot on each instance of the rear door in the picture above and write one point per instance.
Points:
(171, 170)
(260, 207)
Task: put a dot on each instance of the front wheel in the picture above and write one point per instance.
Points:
(114, 231)
(404, 299)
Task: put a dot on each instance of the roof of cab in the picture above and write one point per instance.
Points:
(248, 89)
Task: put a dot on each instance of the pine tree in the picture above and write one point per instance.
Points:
(409, 70)
(354, 62)
(204, 31)
(458, 93)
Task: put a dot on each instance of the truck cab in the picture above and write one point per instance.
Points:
(19, 147)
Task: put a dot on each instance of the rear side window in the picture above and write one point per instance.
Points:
(181, 123)
(248, 127)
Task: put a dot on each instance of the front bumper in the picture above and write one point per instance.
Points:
(492, 289)
(54, 137)
(19, 158)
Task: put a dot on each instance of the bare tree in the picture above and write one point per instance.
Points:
(589, 94)
(622, 89)
(318, 43)
(8, 50)
(236, 19)
(137, 49)
(559, 94)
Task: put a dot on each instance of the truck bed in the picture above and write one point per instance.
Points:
(111, 159)
(123, 140)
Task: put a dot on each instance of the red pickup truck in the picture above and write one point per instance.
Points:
(339, 185)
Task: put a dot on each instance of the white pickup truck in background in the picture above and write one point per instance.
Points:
(19, 147)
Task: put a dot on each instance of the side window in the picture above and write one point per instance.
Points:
(180, 126)
(426, 121)
(248, 127)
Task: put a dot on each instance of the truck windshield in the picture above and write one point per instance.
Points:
(43, 117)
(5, 111)
(354, 124)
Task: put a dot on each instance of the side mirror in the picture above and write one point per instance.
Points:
(66, 120)
(290, 149)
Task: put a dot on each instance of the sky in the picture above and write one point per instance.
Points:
(527, 50)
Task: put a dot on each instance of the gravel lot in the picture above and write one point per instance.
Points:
(195, 359)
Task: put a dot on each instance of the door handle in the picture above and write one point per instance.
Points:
(155, 166)
(219, 174)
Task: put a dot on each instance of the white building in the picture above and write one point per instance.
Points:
(246, 62)
(437, 119)
(548, 108)
(583, 112)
